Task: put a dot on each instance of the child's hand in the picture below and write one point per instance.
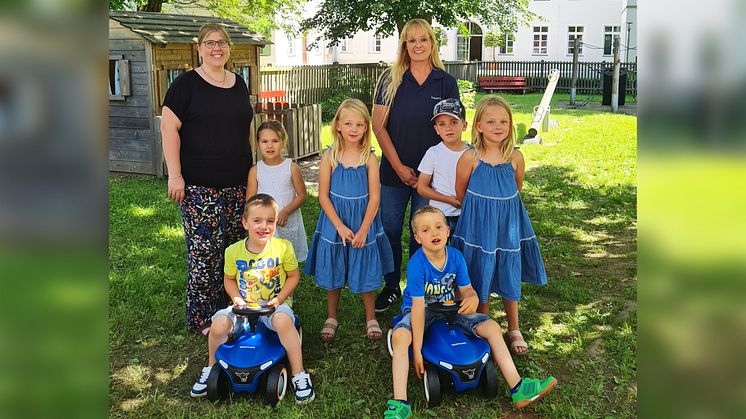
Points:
(345, 233)
(419, 364)
(282, 218)
(359, 240)
(469, 305)
(238, 301)
(275, 302)
(455, 203)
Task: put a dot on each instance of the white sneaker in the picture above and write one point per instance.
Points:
(199, 389)
(303, 388)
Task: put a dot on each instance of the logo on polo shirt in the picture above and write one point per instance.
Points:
(435, 97)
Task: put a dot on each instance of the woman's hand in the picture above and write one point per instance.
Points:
(176, 187)
(407, 175)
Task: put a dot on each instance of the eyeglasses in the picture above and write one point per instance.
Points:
(212, 44)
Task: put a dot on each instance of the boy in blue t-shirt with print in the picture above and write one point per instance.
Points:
(433, 273)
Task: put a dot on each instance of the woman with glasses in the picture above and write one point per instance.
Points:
(405, 97)
(205, 128)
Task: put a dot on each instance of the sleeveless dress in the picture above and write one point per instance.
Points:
(277, 181)
(495, 234)
(332, 264)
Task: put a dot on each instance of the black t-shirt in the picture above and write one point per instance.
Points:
(409, 121)
(215, 123)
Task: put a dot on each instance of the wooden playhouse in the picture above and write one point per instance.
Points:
(146, 52)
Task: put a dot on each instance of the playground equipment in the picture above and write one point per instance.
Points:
(541, 112)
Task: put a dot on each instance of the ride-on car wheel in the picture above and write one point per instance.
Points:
(276, 383)
(432, 385)
(488, 380)
(218, 384)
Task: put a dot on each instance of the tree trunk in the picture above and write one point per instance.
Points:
(152, 6)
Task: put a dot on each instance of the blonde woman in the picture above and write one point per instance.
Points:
(405, 97)
(205, 128)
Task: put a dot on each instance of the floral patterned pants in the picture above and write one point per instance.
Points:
(212, 222)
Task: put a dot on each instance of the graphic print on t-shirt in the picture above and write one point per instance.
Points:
(440, 290)
(258, 279)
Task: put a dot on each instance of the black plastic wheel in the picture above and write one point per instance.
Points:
(432, 385)
(488, 380)
(218, 384)
(275, 384)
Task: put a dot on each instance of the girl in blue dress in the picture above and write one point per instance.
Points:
(349, 245)
(494, 232)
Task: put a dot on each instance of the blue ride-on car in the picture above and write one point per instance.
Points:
(454, 361)
(252, 360)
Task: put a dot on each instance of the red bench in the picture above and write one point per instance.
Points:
(273, 99)
(503, 83)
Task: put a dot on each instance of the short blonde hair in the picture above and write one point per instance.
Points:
(259, 200)
(477, 138)
(209, 28)
(427, 209)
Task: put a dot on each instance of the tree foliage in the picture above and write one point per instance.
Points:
(258, 15)
(440, 36)
(340, 19)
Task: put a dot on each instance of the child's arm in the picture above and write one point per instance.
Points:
(231, 287)
(464, 167)
(424, 189)
(251, 183)
(519, 164)
(418, 329)
(374, 198)
(325, 176)
(291, 282)
(300, 195)
(469, 300)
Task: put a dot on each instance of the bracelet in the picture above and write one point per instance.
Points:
(174, 177)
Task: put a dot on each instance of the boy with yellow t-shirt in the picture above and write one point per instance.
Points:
(261, 269)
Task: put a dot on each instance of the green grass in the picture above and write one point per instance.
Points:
(580, 191)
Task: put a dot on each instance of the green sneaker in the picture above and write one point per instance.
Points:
(532, 390)
(397, 410)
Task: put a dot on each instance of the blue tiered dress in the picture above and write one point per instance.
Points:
(495, 235)
(332, 264)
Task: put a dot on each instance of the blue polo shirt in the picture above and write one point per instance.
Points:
(435, 285)
(409, 125)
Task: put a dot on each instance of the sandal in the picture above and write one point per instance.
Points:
(373, 329)
(516, 340)
(329, 329)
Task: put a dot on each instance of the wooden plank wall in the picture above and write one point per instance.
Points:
(246, 56)
(130, 120)
(168, 57)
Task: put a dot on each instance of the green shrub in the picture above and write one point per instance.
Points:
(345, 86)
(467, 92)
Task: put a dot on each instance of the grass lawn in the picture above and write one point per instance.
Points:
(580, 192)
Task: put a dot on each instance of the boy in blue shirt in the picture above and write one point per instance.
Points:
(433, 273)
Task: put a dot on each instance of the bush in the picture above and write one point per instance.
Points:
(467, 92)
(345, 86)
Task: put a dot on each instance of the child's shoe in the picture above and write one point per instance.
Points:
(303, 388)
(199, 389)
(531, 390)
(396, 409)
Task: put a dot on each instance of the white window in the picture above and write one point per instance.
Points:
(574, 32)
(119, 78)
(609, 33)
(506, 43)
(345, 45)
(291, 47)
(375, 44)
(541, 40)
(462, 48)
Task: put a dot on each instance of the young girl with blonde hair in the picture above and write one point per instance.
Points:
(494, 232)
(348, 245)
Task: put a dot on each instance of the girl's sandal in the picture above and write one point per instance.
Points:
(516, 340)
(373, 329)
(329, 329)
(204, 331)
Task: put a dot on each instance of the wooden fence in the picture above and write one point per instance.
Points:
(315, 83)
(303, 125)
